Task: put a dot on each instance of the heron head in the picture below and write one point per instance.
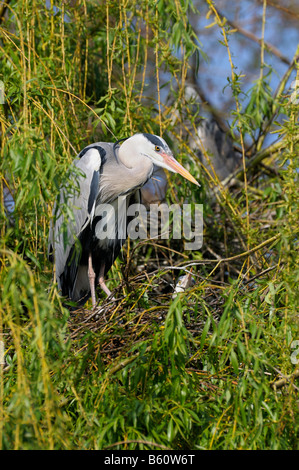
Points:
(158, 151)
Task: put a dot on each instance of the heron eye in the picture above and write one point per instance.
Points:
(157, 148)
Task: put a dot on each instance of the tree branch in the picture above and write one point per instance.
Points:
(281, 382)
(254, 38)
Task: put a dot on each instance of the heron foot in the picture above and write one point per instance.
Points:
(105, 288)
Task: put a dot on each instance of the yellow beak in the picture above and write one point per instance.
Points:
(174, 165)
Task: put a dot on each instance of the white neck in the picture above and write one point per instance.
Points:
(131, 155)
(132, 170)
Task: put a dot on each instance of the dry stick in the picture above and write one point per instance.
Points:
(281, 382)
(231, 258)
(120, 365)
(261, 274)
(217, 261)
(143, 242)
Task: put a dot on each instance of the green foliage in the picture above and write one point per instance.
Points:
(198, 371)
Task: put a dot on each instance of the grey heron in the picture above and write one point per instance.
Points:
(86, 242)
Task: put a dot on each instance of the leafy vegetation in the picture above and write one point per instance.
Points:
(216, 366)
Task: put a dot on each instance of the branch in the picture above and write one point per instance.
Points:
(276, 103)
(285, 10)
(281, 382)
(261, 274)
(256, 160)
(226, 260)
(254, 38)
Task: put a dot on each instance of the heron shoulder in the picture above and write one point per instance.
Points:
(91, 158)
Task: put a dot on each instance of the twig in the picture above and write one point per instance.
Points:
(260, 274)
(120, 365)
(276, 102)
(231, 258)
(258, 158)
(281, 382)
(276, 5)
(254, 38)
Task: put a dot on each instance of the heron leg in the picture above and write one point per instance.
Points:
(92, 278)
(102, 282)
